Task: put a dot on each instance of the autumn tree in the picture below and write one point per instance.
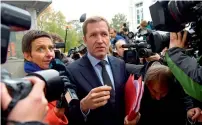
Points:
(118, 20)
(55, 22)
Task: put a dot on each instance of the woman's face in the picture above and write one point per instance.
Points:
(42, 52)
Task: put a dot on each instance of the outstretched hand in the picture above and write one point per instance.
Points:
(177, 40)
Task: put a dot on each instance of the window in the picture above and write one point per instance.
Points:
(139, 12)
(15, 43)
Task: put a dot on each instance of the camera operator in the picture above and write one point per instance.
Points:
(58, 52)
(124, 30)
(114, 36)
(30, 110)
(74, 53)
(186, 69)
(144, 25)
(119, 49)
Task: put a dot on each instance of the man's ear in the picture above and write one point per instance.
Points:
(27, 56)
(84, 39)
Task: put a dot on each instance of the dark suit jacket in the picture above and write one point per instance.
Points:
(82, 74)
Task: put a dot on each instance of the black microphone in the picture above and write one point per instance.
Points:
(129, 46)
(59, 45)
(136, 45)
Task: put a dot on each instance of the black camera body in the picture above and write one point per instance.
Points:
(19, 88)
(76, 52)
(139, 49)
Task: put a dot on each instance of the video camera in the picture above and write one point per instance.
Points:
(16, 19)
(76, 52)
(58, 54)
(136, 50)
(173, 16)
(154, 42)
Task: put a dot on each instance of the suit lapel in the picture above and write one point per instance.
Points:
(115, 71)
(89, 73)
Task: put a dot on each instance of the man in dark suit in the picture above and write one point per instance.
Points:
(99, 79)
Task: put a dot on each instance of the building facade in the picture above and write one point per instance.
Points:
(138, 11)
(15, 62)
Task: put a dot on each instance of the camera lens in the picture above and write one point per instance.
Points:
(145, 53)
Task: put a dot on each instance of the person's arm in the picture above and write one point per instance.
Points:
(55, 116)
(84, 113)
(176, 57)
(97, 97)
(132, 122)
(186, 69)
(194, 112)
(31, 109)
(74, 114)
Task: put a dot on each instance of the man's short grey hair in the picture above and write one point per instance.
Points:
(158, 73)
(120, 42)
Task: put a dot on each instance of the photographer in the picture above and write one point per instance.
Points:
(114, 36)
(120, 50)
(34, 105)
(186, 69)
(124, 30)
(58, 51)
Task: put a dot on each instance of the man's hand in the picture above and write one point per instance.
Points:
(163, 52)
(32, 108)
(176, 39)
(155, 57)
(97, 97)
(200, 118)
(194, 113)
(133, 122)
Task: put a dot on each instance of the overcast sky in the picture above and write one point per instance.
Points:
(73, 9)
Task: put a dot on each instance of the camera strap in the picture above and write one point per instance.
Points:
(25, 123)
(11, 106)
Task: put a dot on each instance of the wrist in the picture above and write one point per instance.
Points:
(158, 57)
(84, 108)
(190, 120)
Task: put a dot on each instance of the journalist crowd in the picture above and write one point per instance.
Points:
(94, 77)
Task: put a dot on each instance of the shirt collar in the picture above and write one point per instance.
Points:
(95, 61)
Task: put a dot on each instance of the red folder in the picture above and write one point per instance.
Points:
(133, 94)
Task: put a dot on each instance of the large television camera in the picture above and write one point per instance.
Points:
(174, 16)
(16, 19)
(137, 49)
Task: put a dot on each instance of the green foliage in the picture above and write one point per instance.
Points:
(118, 20)
(55, 22)
(72, 39)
